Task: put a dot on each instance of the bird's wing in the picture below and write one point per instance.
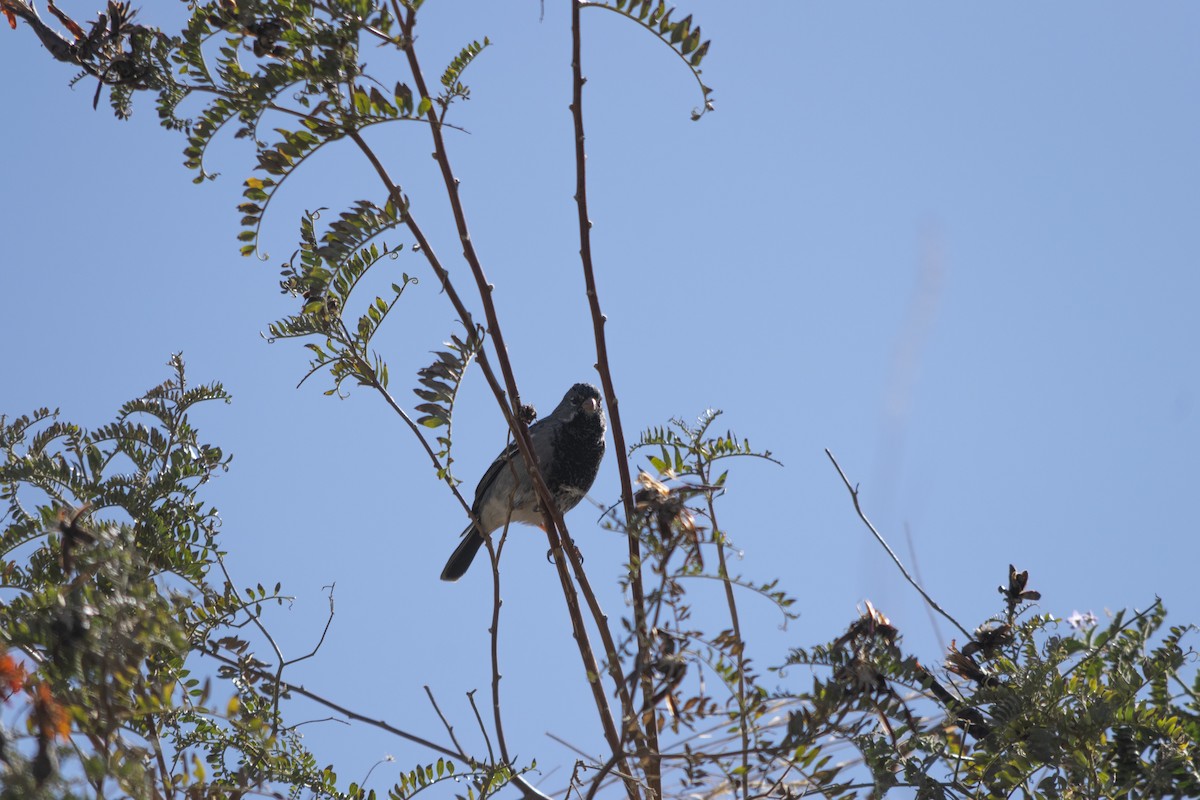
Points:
(542, 435)
(489, 477)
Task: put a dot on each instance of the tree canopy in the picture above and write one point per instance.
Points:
(136, 664)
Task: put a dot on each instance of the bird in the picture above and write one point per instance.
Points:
(568, 445)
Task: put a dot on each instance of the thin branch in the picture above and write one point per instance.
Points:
(324, 633)
(397, 197)
(520, 431)
(391, 401)
(528, 791)
(442, 717)
(164, 773)
(253, 617)
(853, 489)
(735, 624)
(365, 778)
(610, 397)
(1095, 651)
(601, 619)
(494, 550)
(487, 740)
(912, 552)
(283, 687)
(606, 770)
(573, 782)
(704, 90)
(576, 750)
(556, 530)
(295, 725)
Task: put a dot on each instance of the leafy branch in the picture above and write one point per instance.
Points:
(683, 39)
(441, 381)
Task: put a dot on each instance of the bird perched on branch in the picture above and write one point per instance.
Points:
(568, 445)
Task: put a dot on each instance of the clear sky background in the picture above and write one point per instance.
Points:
(957, 244)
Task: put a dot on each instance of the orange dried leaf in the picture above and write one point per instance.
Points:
(72, 26)
(12, 18)
(51, 718)
(12, 673)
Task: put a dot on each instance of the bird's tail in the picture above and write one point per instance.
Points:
(463, 555)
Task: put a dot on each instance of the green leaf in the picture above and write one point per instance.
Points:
(680, 36)
(439, 385)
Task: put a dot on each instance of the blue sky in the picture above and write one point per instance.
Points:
(955, 244)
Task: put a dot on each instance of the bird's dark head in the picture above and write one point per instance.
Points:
(584, 400)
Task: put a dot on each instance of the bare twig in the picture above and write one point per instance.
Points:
(556, 530)
(573, 783)
(528, 791)
(426, 248)
(853, 489)
(385, 760)
(735, 624)
(253, 618)
(606, 770)
(912, 552)
(650, 740)
(442, 717)
(391, 401)
(284, 687)
(574, 749)
(482, 728)
(494, 632)
(295, 725)
(324, 633)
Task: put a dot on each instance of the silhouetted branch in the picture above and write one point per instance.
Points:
(853, 489)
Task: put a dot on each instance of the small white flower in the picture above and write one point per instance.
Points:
(1081, 621)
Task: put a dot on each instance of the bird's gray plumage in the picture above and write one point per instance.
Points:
(568, 445)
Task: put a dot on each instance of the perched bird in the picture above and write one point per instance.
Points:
(568, 445)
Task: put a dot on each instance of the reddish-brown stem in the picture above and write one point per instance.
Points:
(377, 385)
(286, 688)
(397, 197)
(494, 633)
(556, 531)
(283, 687)
(735, 625)
(610, 394)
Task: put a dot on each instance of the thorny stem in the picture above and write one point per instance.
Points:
(879, 538)
(610, 395)
(482, 728)
(270, 640)
(555, 529)
(610, 647)
(604, 770)
(397, 197)
(164, 773)
(283, 687)
(731, 601)
(391, 401)
(494, 634)
(442, 717)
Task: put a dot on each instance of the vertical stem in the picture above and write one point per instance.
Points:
(735, 624)
(556, 530)
(494, 633)
(650, 748)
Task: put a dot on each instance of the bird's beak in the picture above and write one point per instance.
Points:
(590, 406)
